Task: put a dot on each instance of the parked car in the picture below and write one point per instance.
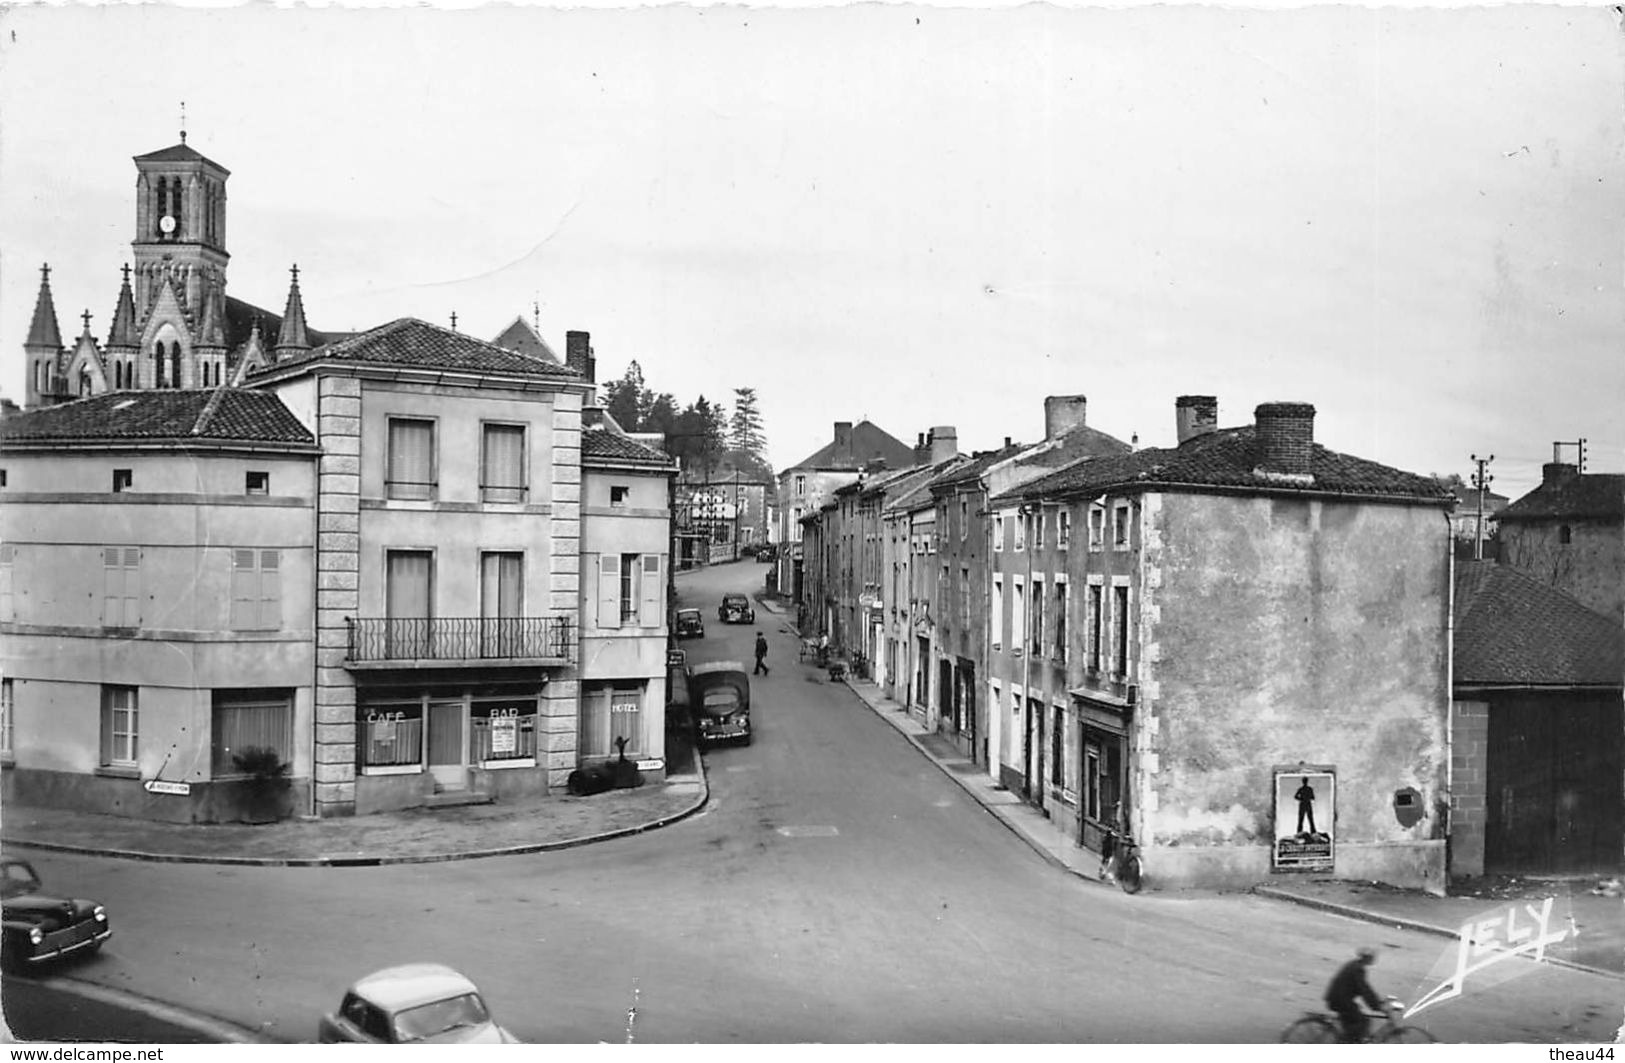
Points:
(39, 926)
(767, 552)
(719, 697)
(416, 1003)
(690, 625)
(736, 609)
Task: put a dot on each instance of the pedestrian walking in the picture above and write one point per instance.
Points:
(761, 655)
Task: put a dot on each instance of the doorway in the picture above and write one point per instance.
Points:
(448, 761)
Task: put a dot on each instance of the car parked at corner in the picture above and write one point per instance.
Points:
(416, 1003)
(719, 697)
(690, 624)
(736, 609)
(40, 927)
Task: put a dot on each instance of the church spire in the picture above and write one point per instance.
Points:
(122, 333)
(294, 339)
(43, 332)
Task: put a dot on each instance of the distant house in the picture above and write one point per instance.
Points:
(1465, 521)
(1239, 610)
(520, 336)
(1569, 533)
(1538, 729)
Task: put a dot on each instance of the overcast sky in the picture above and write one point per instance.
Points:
(1412, 219)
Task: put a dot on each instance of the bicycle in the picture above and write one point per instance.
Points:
(1120, 862)
(1324, 1028)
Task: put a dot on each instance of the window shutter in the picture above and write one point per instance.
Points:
(113, 578)
(244, 590)
(107, 724)
(649, 607)
(609, 590)
(270, 611)
(132, 586)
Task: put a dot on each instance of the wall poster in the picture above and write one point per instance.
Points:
(1305, 818)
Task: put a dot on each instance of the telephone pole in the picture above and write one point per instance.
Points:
(1481, 480)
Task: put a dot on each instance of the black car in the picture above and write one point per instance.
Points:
(40, 927)
(719, 694)
(690, 625)
(736, 609)
(767, 552)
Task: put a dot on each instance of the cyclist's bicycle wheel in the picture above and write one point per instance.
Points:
(1130, 874)
(1310, 1030)
(1406, 1035)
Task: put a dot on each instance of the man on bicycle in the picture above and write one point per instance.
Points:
(1349, 986)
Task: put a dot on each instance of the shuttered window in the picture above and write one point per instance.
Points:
(650, 614)
(8, 605)
(609, 591)
(411, 459)
(256, 590)
(502, 463)
(121, 601)
(246, 719)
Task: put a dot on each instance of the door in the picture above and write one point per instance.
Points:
(1034, 746)
(945, 695)
(501, 604)
(447, 745)
(407, 604)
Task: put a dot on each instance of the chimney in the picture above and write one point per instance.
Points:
(578, 355)
(1006, 442)
(843, 444)
(1195, 415)
(942, 443)
(1554, 473)
(1286, 432)
(1062, 413)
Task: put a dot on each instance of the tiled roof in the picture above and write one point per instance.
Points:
(179, 153)
(219, 415)
(1513, 630)
(1596, 496)
(521, 337)
(602, 445)
(410, 342)
(1227, 459)
(870, 443)
(913, 495)
(974, 468)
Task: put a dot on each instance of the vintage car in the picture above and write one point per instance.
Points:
(767, 552)
(40, 927)
(690, 625)
(736, 609)
(719, 697)
(417, 1003)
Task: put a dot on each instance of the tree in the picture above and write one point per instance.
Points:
(745, 428)
(627, 399)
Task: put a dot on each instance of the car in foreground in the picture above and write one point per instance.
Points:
(690, 624)
(40, 927)
(416, 1003)
(719, 697)
(736, 609)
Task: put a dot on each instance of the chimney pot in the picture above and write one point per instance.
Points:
(1063, 413)
(1286, 434)
(1556, 472)
(1195, 415)
(1006, 442)
(943, 443)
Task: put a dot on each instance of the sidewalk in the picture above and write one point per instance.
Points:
(1597, 943)
(411, 836)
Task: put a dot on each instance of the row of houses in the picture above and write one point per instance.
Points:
(420, 567)
(1177, 640)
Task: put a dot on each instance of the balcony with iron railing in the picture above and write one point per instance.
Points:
(449, 642)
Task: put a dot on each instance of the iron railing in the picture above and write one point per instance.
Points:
(461, 638)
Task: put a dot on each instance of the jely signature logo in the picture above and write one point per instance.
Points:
(1520, 930)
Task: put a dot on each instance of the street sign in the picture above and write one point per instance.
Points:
(160, 786)
(651, 764)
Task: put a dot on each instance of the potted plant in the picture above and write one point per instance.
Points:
(268, 792)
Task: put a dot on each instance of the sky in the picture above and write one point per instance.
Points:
(1413, 219)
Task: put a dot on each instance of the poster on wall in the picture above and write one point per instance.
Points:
(1305, 818)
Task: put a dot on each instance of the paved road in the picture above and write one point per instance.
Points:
(838, 888)
(49, 1010)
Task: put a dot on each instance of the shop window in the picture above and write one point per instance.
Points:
(610, 711)
(390, 737)
(120, 731)
(504, 731)
(248, 719)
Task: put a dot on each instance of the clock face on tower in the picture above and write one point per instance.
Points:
(166, 224)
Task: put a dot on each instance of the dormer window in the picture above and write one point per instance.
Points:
(1565, 534)
(123, 480)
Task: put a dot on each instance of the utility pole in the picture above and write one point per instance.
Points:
(1481, 480)
(1578, 444)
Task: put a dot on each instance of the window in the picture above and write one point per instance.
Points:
(408, 604)
(996, 624)
(1120, 631)
(119, 727)
(410, 473)
(504, 731)
(242, 719)
(1120, 528)
(964, 516)
(123, 480)
(389, 737)
(964, 597)
(7, 718)
(502, 463)
(1057, 747)
(8, 603)
(998, 533)
(256, 590)
(1038, 529)
(801, 489)
(1063, 529)
(610, 711)
(1094, 622)
(617, 495)
(629, 591)
(2, 477)
(257, 483)
(1565, 534)
(502, 604)
(1059, 625)
(1035, 637)
(121, 602)
(1097, 526)
(1018, 617)
(630, 573)
(1021, 532)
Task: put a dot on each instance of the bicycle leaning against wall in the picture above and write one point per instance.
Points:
(1120, 856)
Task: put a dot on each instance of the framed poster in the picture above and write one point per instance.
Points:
(1305, 818)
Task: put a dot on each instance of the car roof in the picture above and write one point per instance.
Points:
(713, 667)
(731, 596)
(680, 612)
(411, 984)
